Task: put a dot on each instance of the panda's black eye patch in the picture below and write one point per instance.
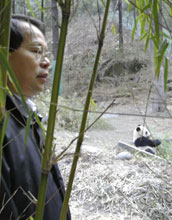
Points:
(138, 129)
(146, 132)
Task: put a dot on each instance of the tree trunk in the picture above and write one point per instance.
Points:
(42, 13)
(120, 25)
(24, 8)
(55, 28)
(13, 7)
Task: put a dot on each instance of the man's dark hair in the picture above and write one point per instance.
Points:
(17, 35)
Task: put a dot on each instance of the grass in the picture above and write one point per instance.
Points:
(165, 149)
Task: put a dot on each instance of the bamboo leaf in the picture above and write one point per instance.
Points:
(39, 5)
(27, 128)
(150, 27)
(114, 29)
(30, 8)
(155, 42)
(5, 15)
(4, 127)
(40, 124)
(142, 22)
(134, 29)
(166, 35)
(130, 6)
(138, 4)
(165, 74)
(146, 7)
(147, 42)
(161, 56)
(5, 63)
(143, 36)
(103, 3)
(92, 103)
(156, 20)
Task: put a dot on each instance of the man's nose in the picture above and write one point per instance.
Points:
(45, 63)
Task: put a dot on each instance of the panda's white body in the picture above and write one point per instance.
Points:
(140, 131)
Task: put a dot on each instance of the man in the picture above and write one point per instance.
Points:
(21, 164)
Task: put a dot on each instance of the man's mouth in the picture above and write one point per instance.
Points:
(43, 77)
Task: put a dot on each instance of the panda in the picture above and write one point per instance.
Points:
(141, 138)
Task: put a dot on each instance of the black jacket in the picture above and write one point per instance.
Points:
(21, 170)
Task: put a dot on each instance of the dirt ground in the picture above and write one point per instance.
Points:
(106, 188)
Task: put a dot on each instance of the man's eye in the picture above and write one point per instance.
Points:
(37, 50)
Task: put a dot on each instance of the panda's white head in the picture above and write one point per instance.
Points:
(140, 131)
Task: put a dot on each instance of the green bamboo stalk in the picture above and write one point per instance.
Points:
(52, 111)
(5, 15)
(84, 117)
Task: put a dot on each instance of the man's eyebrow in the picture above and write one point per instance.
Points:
(36, 43)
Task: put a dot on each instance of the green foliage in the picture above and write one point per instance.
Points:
(39, 5)
(165, 74)
(134, 29)
(103, 3)
(155, 13)
(5, 15)
(149, 18)
(165, 150)
(70, 112)
(27, 127)
(160, 56)
(5, 63)
(30, 8)
(114, 29)
(4, 128)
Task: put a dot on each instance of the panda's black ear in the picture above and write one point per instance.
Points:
(138, 129)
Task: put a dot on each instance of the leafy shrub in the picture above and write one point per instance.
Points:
(69, 112)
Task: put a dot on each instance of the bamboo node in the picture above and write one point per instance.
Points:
(46, 172)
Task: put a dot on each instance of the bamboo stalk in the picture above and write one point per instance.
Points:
(5, 15)
(52, 112)
(84, 117)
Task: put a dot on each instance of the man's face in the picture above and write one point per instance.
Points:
(29, 62)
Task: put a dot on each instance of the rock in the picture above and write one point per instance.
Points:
(150, 150)
(125, 155)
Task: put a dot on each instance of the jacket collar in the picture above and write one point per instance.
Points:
(17, 110)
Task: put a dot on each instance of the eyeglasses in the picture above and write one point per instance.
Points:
(40, 52)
